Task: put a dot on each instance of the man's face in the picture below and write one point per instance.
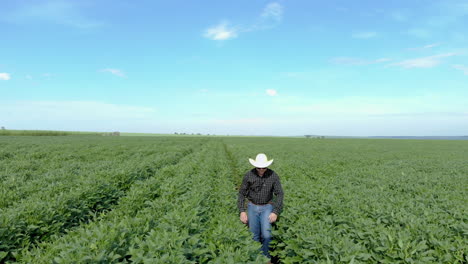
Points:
(261, 171)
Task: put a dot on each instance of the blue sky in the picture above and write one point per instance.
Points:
(355, 68)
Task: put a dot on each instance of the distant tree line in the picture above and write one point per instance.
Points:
(193, 134)
(12, 132)
(115, 133)
(313, 136)
(7, 132)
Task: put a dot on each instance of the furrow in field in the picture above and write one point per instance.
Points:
(238, 155)
(225, 233)
(204, 228)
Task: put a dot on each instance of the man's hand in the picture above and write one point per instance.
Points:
(272, 218)
(243, 217)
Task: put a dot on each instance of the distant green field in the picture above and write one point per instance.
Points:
(169, 199)
(7, 132)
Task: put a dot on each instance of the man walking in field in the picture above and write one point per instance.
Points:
(258, 186)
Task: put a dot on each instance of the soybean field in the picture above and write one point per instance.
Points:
(95, 199)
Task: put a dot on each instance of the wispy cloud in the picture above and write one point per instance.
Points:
(271, 92)
(63, 12)
(4, 76)
(47, 75)
(294, 74)
(364, 35)
(430, 46)
(115, 72)
(242, 121)
(441, 19)
(271, 16)
(449, 13)
(462, 68)
(419, 32)
(400, 16)
(425, 62)
(273, 11)
(60, 111)
(372, 105)
(222, 31)
(357, 61)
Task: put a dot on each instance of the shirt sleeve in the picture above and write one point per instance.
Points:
(243, 192)
(278, 191)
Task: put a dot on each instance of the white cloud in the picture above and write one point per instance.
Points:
(357, 61)
(115, 72)
(271, 92)
(425, 62)
(364, 35)
(462, 68)
(4, 76)
(221, 31)
(273, 11)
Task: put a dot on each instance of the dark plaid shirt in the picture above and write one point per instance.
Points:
(260, 190)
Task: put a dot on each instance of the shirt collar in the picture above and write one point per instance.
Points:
(267, 173)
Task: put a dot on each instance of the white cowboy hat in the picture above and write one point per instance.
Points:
(261, 161)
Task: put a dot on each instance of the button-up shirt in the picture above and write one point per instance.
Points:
(260, 190)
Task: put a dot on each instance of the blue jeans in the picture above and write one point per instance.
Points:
(259, 224)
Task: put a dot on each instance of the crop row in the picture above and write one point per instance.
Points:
(28, 167)
(58, 208)
(183, 214)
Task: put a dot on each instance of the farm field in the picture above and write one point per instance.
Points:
(94, 199)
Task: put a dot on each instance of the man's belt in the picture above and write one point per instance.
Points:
(261, 204)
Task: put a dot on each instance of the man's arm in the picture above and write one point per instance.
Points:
(278, 191)
(243, 191)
